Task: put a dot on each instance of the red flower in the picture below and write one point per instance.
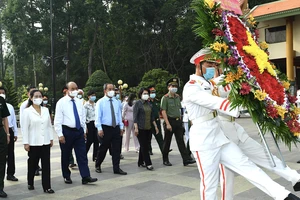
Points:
(218, 32)
(271, 111)
(232, 61)
(292, 99)
(245, 88)
(294, 126)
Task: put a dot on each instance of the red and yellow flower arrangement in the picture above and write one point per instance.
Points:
(256, 83)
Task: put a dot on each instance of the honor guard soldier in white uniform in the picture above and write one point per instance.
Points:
(207, 140)
(252, 149)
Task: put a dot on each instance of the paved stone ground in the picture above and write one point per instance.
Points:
(169, 183)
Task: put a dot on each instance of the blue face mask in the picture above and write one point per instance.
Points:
(93, 98)
(117, 96)
(210, 72)
(152, 95)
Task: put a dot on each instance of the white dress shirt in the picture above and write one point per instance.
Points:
(12, 122)
(22, 107)
(37, 129)
(64, 114)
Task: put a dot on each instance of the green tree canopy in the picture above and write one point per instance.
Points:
(96, 82)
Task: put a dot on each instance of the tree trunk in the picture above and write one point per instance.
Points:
(91, 51)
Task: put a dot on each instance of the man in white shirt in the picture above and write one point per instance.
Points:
(13, 131)
(69, 124)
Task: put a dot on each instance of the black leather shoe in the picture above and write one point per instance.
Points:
(11, 178)
(37, 172)
(30, 187)
(50, 191)
(149, 167)
(185, 163)
(298, 161)
(167, 163)
(98, 170)
(170, 150)
(88, 179)
(68, 181)
(121, 156)
(292, 197)
(141, 165)
(3, 194)
(150, 153)
(121, 172)
(72, 165)
(297, 187)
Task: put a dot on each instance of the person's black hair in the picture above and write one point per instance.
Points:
(91, 92)
(31, 95)
(30, 87)
(141, 92)
(46, 96)
(130, 99)
(2, 88)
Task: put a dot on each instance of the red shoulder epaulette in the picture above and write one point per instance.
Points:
(192, 82)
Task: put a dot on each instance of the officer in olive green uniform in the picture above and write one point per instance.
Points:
(4, 140)
(156, 108)
(171, 112)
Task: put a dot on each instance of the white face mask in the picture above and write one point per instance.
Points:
(79, 96)
(145, 97)
(173, 90)
(3, 95)
(111, 93)
(45, 102)
(37, 101)
(73, 93)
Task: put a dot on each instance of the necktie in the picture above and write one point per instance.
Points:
(77, 120)
(113, 117)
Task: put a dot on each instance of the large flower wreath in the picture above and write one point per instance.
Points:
(256, 83)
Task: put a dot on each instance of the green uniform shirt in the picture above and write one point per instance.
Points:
(155, 108)
(3, 110)
(171, 105)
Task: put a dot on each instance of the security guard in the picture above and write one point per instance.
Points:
(171, 112)
(156, 107)
(4, 140)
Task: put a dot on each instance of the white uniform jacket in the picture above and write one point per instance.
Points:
(199, 102)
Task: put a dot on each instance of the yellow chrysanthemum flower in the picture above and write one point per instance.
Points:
(230, 77)
(210, 3)
(217, 46)
(296, 134)
(264, 45)
(239, 73)
(297, 111)
(286, 85)
(261, 58)
(260, 95)
(281, 111)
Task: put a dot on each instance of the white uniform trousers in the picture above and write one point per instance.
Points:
(232, 157)
(259, 156)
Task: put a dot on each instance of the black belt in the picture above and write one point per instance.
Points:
(69, 128)
(174, 118)
(109, 126)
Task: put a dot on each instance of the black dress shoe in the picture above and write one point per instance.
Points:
(37, 172)
(68, 181)
(167, 163)
(292, 197)
(72, 165)
(11, 178)
(170, 150)
(298, 161)
(98, 170)
(121, 156)
(88, 179)
(30, 187)
(50, 191)
(185, 163)
(121, 172)
(150, 153)
(297, 187)
(3, 194)
(149, 167)
(141, 165)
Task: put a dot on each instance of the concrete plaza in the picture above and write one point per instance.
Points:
(170, 183)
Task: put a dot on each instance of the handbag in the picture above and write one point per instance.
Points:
(125, 122)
